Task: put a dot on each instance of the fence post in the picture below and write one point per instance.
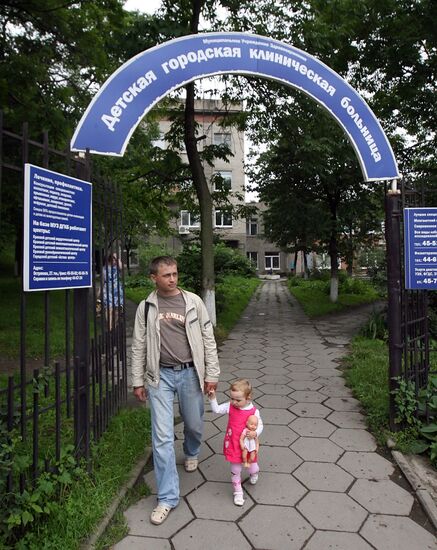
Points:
(394, 318)
(81, 351)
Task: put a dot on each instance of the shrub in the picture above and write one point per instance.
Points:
(227, 261)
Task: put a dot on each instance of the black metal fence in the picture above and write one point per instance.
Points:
(410, 346)
(67, 375)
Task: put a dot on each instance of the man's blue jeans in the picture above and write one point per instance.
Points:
(185, 384)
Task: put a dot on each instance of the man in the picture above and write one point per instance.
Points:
(174, 352)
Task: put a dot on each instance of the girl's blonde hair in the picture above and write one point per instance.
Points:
(242, 385)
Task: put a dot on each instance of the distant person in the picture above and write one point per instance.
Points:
(113, 295)
(239, 409)
(174, 352)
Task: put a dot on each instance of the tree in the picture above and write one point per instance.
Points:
(308, 178)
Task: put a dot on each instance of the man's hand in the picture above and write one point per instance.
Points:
(209, 388)
(140, 393)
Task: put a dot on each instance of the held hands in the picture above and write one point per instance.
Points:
(140, 393)
(209, 389)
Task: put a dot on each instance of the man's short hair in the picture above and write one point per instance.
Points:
(156, 262)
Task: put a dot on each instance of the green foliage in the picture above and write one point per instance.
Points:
(233, 293)
(70, 496)
(147, 252)
(313, 294)
(406, 402)
(366, 374)
(227, 261)
(376, 326)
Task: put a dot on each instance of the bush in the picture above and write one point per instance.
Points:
(227, 261)
(147, 253)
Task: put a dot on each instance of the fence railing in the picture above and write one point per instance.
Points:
(67, 375)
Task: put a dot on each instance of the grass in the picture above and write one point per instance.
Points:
(313, 296)
(10, 321)
(89, 498)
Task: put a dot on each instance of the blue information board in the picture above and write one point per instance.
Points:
(57, 231)
(420, 240)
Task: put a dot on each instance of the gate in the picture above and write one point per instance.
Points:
(408, 316)
(68, 375)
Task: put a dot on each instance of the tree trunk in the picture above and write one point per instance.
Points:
(305, 265)
(333, 254)
(202, 189)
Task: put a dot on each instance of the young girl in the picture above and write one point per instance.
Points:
(239, 408)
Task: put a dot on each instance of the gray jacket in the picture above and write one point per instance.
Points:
(146, 350)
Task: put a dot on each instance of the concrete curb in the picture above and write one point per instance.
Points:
(135, 474)
(422, 493)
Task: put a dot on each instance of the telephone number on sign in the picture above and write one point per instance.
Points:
(428, 259)
(428, 281)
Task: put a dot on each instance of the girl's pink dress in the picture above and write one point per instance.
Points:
(236, 424)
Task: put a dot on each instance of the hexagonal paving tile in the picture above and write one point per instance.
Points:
(281, 436)
(205, 452)
(332, 511)
(322, 540)
(278, 459)
(276, 416)
(274, 363)
(343, 404)
(366, 465)
(138, 519)
(397, 532)
(275, 401)
(215, 468)
(308, 396)
(294, 375)
(275, 389)
(312, 427)
(273, 488)
(382, 497)
(310, 410)
(336, 391)
(275, 371)
(139, 543)
(206, 533)
(214, 501)
(321, 476)
(347, 419)
(304, 385)
(271, 379)
(188, 481)
(216, 444)
(317, 449)
(354, 440)
(332, 372)
(275, 528)
(247, 373)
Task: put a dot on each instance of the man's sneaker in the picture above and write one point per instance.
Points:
(253, 479)
(160, 514)
(191, 464)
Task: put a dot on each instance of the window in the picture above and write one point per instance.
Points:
(223, 181)
(223, 218)
(188, 219)
(253, 257)
(272, 260)
(223, 139)
(160, 141)
(252, 227)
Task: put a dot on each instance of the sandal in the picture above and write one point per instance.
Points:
(238, 499)
(160, 514)
(191, 464)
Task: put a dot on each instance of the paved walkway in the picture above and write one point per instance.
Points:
(322, 484)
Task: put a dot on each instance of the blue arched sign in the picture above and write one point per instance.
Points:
(141, 82)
